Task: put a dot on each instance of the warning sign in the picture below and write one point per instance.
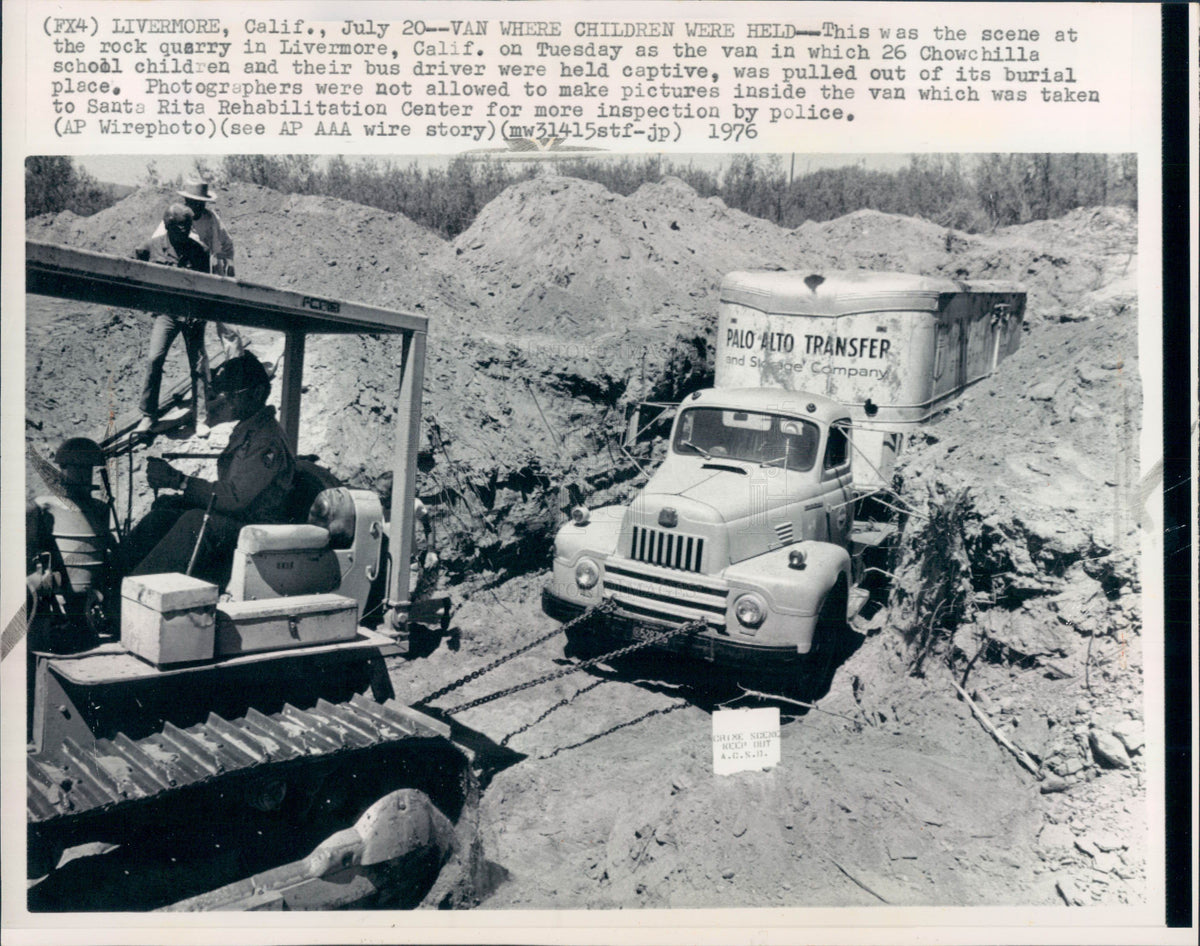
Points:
(745, 739)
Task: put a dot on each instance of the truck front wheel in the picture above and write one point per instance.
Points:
(828, 644)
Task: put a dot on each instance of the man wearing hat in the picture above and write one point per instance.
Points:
(254, 477)
(211, 233)
(175, 247)
(206, 226)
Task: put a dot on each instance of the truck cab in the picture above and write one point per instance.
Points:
(745, 526)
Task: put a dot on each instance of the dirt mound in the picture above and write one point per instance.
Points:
(570, 257)
(1074, 268)
(870, 239)
(1018, 578)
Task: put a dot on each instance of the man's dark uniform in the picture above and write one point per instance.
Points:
(254, 476)
(192, 256)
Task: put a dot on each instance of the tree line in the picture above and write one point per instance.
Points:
(54, 183)
(974, 193)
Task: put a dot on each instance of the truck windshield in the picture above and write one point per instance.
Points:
(713, 432)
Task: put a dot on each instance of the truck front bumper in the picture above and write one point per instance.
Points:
(612, 631)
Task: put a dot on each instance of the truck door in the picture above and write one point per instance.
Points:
(837, 479)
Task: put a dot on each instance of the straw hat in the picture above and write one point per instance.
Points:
(196, 190)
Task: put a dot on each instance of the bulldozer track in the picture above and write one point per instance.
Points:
(70, 782)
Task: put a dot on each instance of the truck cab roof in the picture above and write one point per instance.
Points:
(770, 401)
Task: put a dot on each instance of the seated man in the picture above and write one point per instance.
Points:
(254, 476)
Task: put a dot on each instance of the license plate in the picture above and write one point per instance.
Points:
(642, 632)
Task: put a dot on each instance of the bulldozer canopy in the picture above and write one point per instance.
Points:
(69, 273)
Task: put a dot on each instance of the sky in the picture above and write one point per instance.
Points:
(131, 168)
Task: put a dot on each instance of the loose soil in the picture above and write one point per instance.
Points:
(557, 308)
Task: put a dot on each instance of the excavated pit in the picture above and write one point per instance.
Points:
(1016, 575)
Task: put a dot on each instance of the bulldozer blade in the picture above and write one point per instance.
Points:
(356, 864)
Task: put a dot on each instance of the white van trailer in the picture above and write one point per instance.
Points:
(894, 348)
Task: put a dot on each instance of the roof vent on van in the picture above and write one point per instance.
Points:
(813, 281)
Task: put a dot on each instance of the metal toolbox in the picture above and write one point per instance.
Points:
(244, 627)
(168, 618)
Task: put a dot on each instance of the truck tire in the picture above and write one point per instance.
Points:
(829, 639)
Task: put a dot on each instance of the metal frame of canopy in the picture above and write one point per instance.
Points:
(67, 273)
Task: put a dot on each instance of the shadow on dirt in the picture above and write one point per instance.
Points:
(488, 757)
(710, 687)
(424, 640)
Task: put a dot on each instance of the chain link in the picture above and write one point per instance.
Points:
(661, 711)
(565, 701)
(587, 615)
(658, 638)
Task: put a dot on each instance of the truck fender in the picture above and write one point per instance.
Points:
(826, 563)
(797, 591)
(835, 572)
(598, 538)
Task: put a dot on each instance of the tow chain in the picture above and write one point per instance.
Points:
(661, 711)
(689, 628)
(565, 701)
(587, 615)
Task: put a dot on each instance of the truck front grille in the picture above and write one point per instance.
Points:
(642, 594)
(668, 549)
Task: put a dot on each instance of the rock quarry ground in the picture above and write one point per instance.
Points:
(1016, 575)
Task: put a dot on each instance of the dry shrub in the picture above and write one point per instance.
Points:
(932, 592)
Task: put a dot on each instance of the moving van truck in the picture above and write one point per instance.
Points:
(749, 524)
(894, 348)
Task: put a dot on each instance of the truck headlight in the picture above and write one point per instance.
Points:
(750, 610)
(587, 573)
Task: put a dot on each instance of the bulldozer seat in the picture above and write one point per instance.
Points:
(278, 538)
(309, 480)
(281, 560)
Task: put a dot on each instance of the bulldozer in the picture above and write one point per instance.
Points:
(195, 746)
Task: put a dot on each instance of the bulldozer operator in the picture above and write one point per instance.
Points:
(255, 473)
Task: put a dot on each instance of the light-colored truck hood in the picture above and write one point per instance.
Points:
(718, 485)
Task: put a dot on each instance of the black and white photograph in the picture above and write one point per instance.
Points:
(569, 472)
(422, 576)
